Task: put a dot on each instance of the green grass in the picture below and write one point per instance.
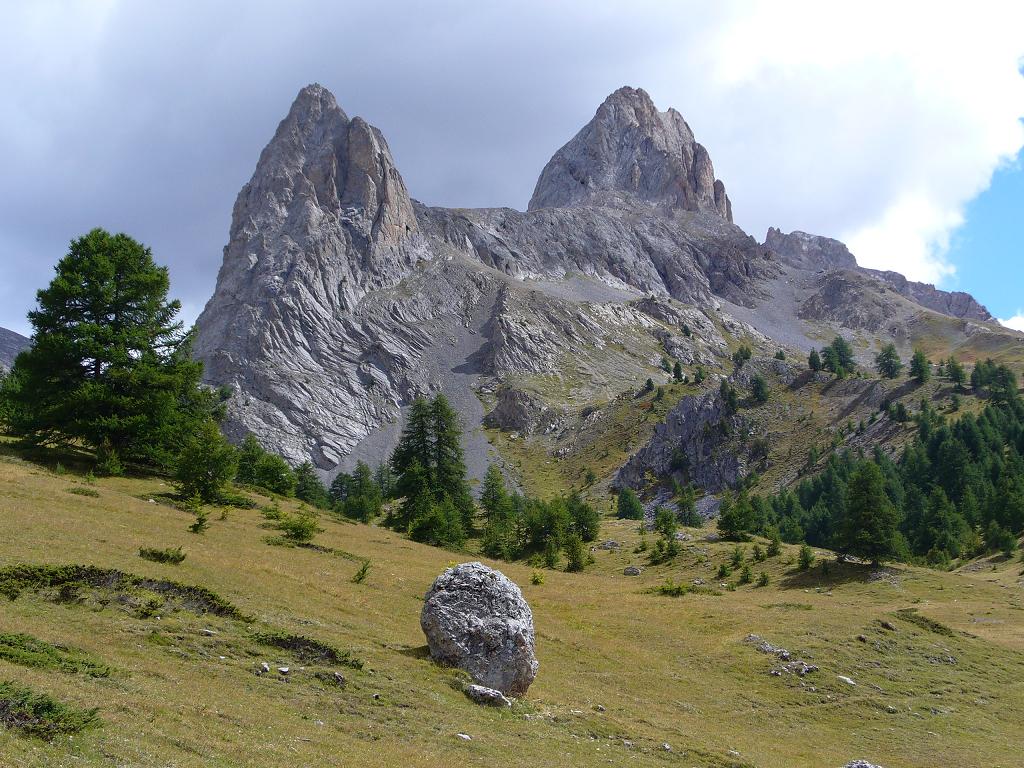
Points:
(617, 663)
(80, 490)
(31, 652)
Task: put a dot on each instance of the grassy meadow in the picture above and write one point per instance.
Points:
(624, 670)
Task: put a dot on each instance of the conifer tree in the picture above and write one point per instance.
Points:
(920, 368)
(868, 528)
(493, 497)
(888, 362)
(110, 365)
(955, 371)
(814, 361)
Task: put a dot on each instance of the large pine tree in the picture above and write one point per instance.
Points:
(869, 526)
(109, 366)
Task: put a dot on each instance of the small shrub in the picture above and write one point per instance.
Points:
(758, 554)
(723, 571)
(202, 522)
(39, 715)
(272, 512)
(306, 649)
(300, 528)
(362, 573)
(537, 578)
(738, 557)
(911, 615)
(575, 554)
(762, 580)
(150, 608)
(806, 557)
(29, 652)
(671, 589)
(169, 555)
(774, 545)
(746, 575)
(628, 506)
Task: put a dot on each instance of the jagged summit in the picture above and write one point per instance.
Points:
(630, 151)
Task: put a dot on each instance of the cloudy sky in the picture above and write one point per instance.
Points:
(897, 129)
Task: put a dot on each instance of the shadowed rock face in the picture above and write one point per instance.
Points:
(630, 151)
(11, 344)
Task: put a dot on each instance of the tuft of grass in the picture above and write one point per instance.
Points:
(673, 589)
(16, 579)
(79, 490)
(171, 555)
(306, 649)
(362, 573)
(911, 615)
(29, 651)
(39, 715)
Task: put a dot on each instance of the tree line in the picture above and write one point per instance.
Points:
(956, 491)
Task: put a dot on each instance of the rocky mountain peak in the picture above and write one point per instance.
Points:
(632, 152)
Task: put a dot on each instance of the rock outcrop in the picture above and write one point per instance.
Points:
(690, 445)
(630, 151)
(11, 344)
(952, 303)
(804, 251)
(814, 252)
(476, 619)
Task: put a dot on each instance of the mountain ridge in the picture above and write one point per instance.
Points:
(341, 298)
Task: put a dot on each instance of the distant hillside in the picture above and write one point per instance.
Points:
(11, 344)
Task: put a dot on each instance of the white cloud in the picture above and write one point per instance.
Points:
(875, 122)
(1016, 322)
